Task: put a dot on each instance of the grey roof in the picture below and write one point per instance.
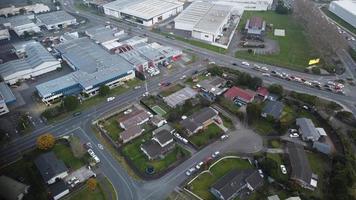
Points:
(55, 17)
(300, 165)
(197, 119)
(57, 188)
(152, 148)
(94, 66)
(273, 197)
(163, 136)
(322, 147)
(11, 189)
(131, 133)
(49, 166)
(36, 55)
(103, 34)
(274, 109)
(307, 129)
(254, 180)
(18, 20)
(6, 93)
(179, 97)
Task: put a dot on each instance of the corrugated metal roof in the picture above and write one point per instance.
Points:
(56, 17)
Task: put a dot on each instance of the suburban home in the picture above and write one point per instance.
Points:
(255, 28)
(200, 120)
(12, 189)
(273, 109)
(214, 85)
(158, 121)
(131, 133)
(135, 118)
(323, 147)
(233, 183)
(58, 190)
(50, 168)
(307, 129)
(239, 96)
(161, 143)
(262, 92)
(179, 97)
(301, 171)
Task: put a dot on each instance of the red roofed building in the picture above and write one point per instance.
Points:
(239, 95)
(262, 92)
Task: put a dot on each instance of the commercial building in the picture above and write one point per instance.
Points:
(50, 168)
(345, 9)
(255, 28)
(35, 8)
(236, 181)
(104, 35)
(93, 67)
(251, 5)
(200, 120)
(145, 12)
(12, 189)
(4, 33)
(55, 20)
(21, 24)
(37, 61)
(6, 97)
(301, 171)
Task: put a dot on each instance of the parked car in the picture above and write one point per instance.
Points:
(137, 87)
(245, 63)
(91, 152)
(234, 64)
(190, 171)
(261, 173)
(198, 166)
(215, 154)
(266, 74)
(283, 169)
(224, 137)
(110, 99)
(294, 135)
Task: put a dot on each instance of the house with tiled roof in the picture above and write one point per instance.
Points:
(239, 96)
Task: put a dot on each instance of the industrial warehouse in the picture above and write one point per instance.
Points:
(345, 9)
(94, 66)
(144, 12)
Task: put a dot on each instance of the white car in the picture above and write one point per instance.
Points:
(110, 99)
(224, 137)
(198, 166)
(264, 69)
(127, 111)
(137, 87)
(294, 135)
(91, 152)
(292, 130)
(261, 173)
(215, 154)
(245, 63)
(183, 77)
(101, 146)
(96, 158)
(283, 169)
(266, 74)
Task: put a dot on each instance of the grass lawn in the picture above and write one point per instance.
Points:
(113, 128)
(288, 115)
(274, 143)
(295, 51)
(197, 43)
(140, 160)
(171, 89)
(202, 184)
(339, 20)
(277, 173)
(86, 194)
(202, 138)
(227, 122)
(263, 126)
(64, 153)
(197, 78)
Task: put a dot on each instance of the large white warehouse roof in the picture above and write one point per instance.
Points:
(348, 5)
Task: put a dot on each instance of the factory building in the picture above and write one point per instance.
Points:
(34, 60)
(20, 24)
(6, 97)
(345, 9)
(144, 12)
(55, 20)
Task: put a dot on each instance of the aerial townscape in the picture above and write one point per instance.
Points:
(177, 99)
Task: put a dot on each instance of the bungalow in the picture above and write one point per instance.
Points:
(158, 121)
(200, 120)
(307, 129)
(239, 96)
(50, 168)
(12, 189)
(214, 85)
(161, 143)
(131, 133)
(301, 171)
(262, 92)
(233, 183)
(135, 118)
(273, 109)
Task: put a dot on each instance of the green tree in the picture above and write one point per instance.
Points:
(316, 70)
(269, 166)
(276, 89)
(253, 111)
(255, 82)
(104, 90)
(70, 103)
(281, 8)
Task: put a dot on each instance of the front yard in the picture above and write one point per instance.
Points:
(201, 185)
(112, 127)
(203, 137)
(171, 89)
(64, 152)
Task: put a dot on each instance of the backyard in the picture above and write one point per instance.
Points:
(201, 185)
(203, 137)
(112, 127)
(294, 48)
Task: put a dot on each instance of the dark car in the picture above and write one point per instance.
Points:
(77, 114)
(234, 64)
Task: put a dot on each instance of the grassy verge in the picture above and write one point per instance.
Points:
(113, 128)
(227, 122)
(202, 138)
(87, 194)
(294, 48)
(197, 43)
(202, 184)
(170, 90)
(339, 20)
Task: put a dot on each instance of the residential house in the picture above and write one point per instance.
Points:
(161, 143)
(131, 133)
(158, 120)
(12, 189)
(50, 168)
(262, 92)
(255, 28)
(200, 120)
(58, 190)
(239, 96)
(323, 147)
(301, 171)
(229, 186)
(307, 129)
(273, 109)
(214, 85)
(135, 118)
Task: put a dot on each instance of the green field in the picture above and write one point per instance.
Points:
(202, 138)
(295, 51)
(202, 184)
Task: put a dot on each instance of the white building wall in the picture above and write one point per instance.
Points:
(62, 194)
(64, 24)
(203, 36)
(111, 12)
(345, 14)
(3, 107)
(19, 30)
